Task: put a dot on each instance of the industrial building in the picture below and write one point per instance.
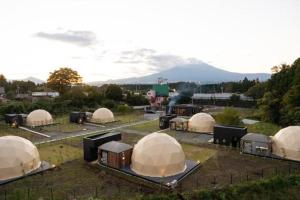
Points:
(18, 157)
(39, 118)
(201, 123)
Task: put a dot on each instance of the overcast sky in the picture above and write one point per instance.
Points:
(121, 38)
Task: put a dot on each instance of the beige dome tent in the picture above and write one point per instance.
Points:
(158, 155)
(102, 115)
(39, 118)
(201, 122)
(286, 143)
(18, 157)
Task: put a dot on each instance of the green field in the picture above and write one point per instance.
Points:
(151, 126)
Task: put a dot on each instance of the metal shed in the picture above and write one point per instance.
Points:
(115, 154)
(257, 144)
(179, 124)
(229, 135)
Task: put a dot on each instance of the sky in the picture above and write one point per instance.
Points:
(111, 39)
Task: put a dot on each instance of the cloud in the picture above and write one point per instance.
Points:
(152, 58)
(80, 38)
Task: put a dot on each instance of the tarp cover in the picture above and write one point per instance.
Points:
(39, 118)
(202, 123)
(286, 143)
(18, 157)
(158, 155)
(102, 115)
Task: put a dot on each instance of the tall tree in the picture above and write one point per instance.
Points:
(3, 81)
(114, 92)
(62, 79)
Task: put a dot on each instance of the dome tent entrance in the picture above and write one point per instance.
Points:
(18, 157)
(39, 118)
(102, 116)
(286, 143)
(158, 155)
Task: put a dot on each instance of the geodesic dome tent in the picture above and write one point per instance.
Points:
(18, 157)
(102, 115)
(158, 155)
(202, 123)
(286, 143)
(39, 118)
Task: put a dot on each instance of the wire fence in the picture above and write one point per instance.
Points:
(120, 191)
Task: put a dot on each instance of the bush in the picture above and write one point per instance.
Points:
(136, 100)
(229, 117)
(123, 109)
(12, 107)
(109, 103)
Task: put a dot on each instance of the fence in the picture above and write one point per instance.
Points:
(121, 191)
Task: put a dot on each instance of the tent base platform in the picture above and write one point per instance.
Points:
(44, 167)
(169, 182)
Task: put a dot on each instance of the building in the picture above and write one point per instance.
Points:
(18, 157)
(39, 117)
(158, 155)
(219, 96)
(115, 154)
(102, 116)
(179, 124)
(2, 91)
(45, 94)
(158, 94)
(286, 143)
(164, 121)
(201, 123)
(229, 135)
(256, 144)
(183, 109)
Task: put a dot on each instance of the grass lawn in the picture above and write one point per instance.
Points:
(64, 125)
(195, 153)
(264, 128)
(7, 130)
(150, 126)
(129, 117)
(59, 153)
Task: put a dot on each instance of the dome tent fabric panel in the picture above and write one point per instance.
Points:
(102, 115)
(39, 118)
(158, 155)
(286, 143)
(18, 157)
(202, 123)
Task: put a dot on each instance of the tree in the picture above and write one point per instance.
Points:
(256, 91)
(229, 117)
(62, 79)
(3, 81)
(114, 92)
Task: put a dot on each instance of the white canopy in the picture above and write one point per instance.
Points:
(158, 155)
(286, 143)
(18, 157)
(102, 115)
(201, 122)
(39, 118)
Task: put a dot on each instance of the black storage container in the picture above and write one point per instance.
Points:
(164, 121)
(229, 135)
(78, 117)
(15, 119)
(91, 144)
(183, 109)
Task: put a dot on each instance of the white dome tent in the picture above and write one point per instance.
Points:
(286, 143)
(18, 157)
(158, 155)
(202, 123)
(102, 116)
(39, 118)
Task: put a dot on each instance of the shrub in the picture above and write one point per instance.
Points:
(123, 108)
(229, 117)
(109, 103)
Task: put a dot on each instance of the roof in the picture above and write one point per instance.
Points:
(116, 147)
(256, 137)
(179, 120)
(223, 96)
(161, 89)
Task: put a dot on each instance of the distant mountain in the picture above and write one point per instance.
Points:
(33, 79)
(202, 72)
